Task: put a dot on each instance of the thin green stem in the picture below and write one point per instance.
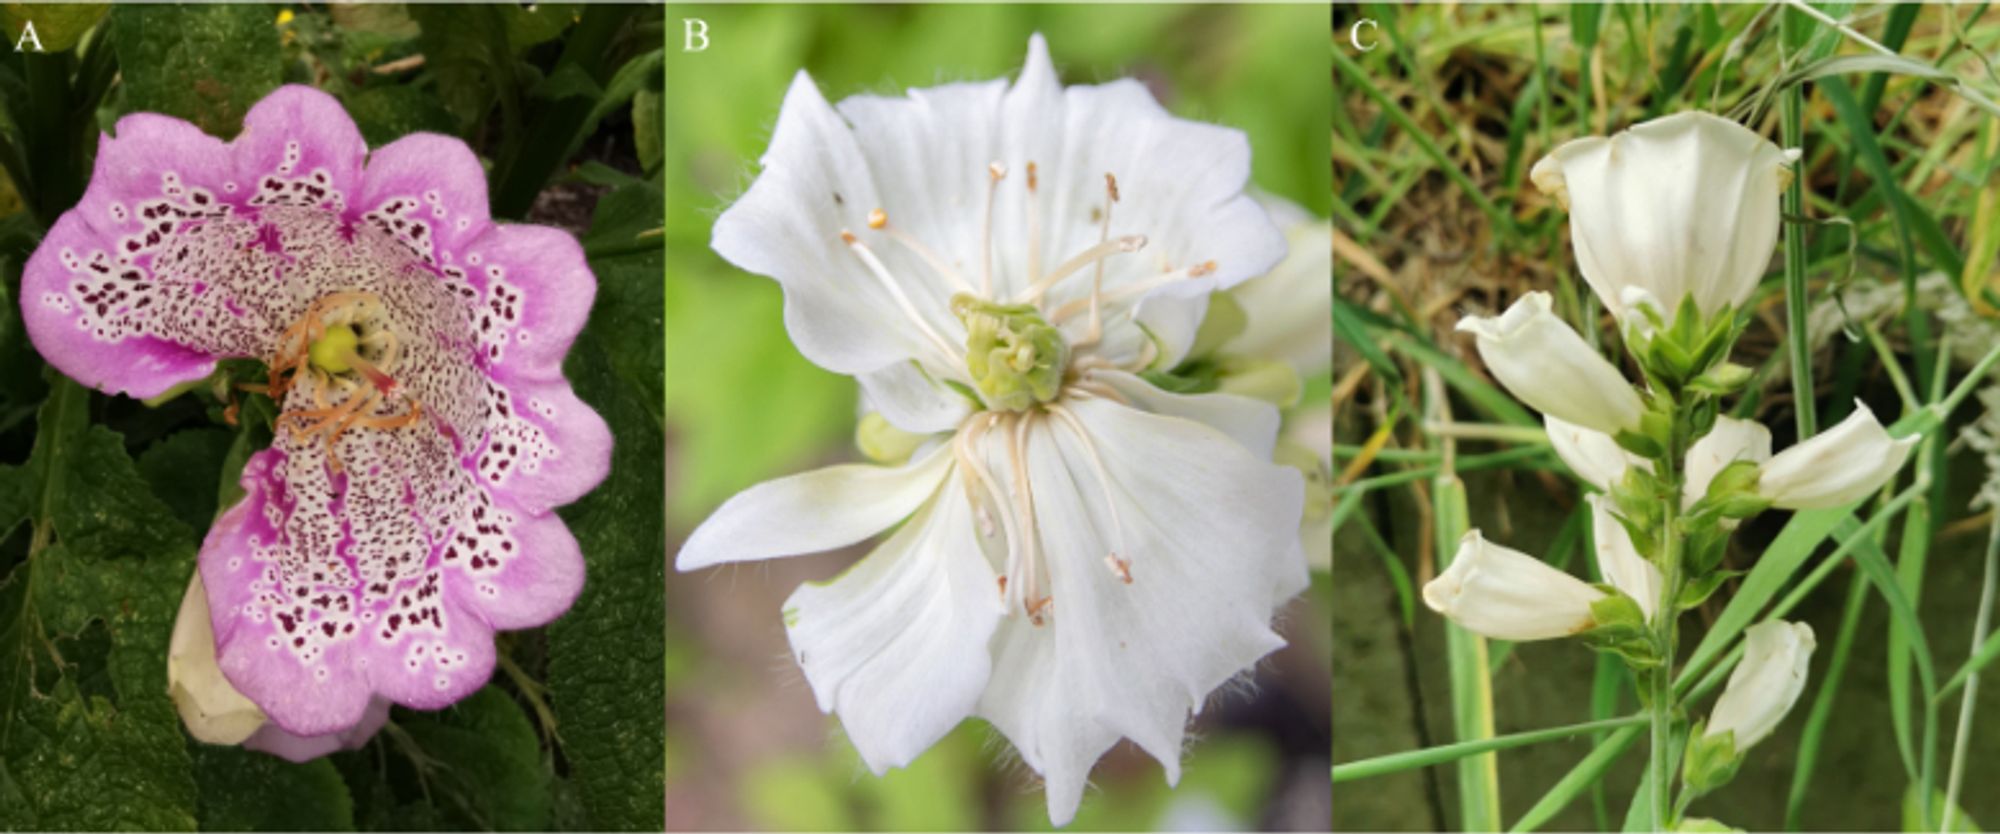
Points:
(1962, 734)
(1798, 339)
(1412, 759)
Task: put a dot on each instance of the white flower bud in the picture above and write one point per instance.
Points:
(1545, 364)
(1619, 561)
(1507, 594)
(1766, 683)
(1835, 467)
(1677, 206)
(213, 711)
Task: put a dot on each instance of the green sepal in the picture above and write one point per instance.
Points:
(1710, 761)
(1636, 496)
(1699, 589)
(1733, 492)
(1620, 628)
(1640, 444)
(1722, 380)
(1707, 541)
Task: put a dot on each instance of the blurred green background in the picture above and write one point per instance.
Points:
(746, 746)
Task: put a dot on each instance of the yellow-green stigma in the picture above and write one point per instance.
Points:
(334, 352)
(1015, 357)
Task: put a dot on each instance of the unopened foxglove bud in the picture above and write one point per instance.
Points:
(1835, 467)
(1504, 593)
(1544, 363)
(212, 709)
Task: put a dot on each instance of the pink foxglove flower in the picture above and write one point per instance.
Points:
(1081, 557)
(404, 511)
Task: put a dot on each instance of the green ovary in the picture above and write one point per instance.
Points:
(331, 352)
(1016, 357)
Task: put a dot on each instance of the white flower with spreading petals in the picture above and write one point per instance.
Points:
(1081, 556)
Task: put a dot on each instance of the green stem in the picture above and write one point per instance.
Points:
(1412, 759)
(1797, 338)
(1660, 706)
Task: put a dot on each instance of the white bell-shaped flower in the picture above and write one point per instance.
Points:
(1544, 363)
(1681, 205)
(1506, 594)
(1619, 561)
(1776, 655)
(1837, 466)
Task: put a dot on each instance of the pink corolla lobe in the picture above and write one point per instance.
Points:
(404, 511)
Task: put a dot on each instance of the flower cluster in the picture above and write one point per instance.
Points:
(1082, 556)
(404, 510)
(1673, 223)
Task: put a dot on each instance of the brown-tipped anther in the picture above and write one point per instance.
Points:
(1121, 568)
(1111, 186)
(1033, 181)
(877, 218)
(996, 170)
(1038, 609)
(1201, 269)
(847, 237)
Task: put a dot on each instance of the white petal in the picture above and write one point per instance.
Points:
(896, 646)
(1251, 423)
(1544, 363)
(1286, 311)
(814, 511)
(214, 712)
(1501, 592)
(1765, 684)
(911, 400)
(1729, 441)
(1686, 204)
(1619, 561)
(816, 183)
(1592, 455)
(1837, 466)
(1210, 533)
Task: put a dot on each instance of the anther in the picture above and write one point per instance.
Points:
(877, 218)
(1121, 568)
